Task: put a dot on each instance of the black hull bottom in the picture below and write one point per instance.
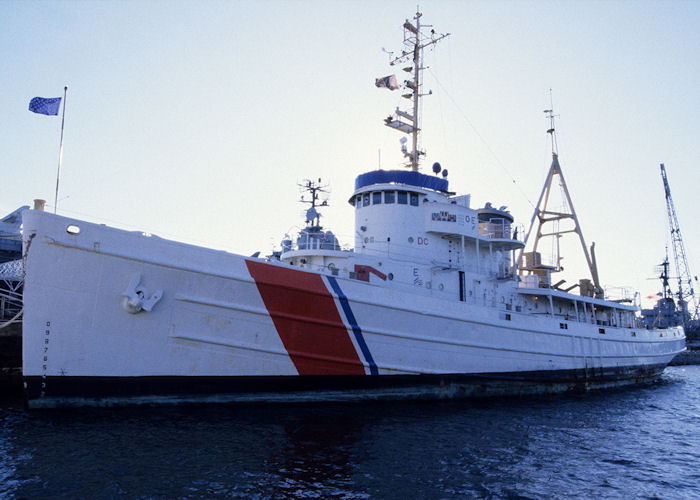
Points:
(66, 391)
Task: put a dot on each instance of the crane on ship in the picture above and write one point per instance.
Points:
(687, 301)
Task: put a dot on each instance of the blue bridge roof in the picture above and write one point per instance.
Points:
(400, 177)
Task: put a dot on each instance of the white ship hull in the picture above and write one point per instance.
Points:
(223, 327)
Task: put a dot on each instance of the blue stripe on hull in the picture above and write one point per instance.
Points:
(353, 324)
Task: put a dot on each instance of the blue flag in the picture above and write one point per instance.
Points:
(45, 106)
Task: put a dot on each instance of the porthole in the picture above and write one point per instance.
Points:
(73, 229)
(390, 276)
(441, 287)
(366, 240)
(410, 239)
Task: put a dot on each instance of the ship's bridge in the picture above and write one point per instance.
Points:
(409, 179)
(414, 216)
(398, 187)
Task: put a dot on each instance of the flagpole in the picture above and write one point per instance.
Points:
(60, 149)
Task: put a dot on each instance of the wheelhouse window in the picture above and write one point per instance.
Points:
(377, 198)
(365, 200)
(389, 196)
(414, 199)
(358, 201)
(403, 198)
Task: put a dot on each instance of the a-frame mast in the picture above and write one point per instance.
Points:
(542, 215)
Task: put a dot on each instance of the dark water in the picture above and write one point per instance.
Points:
(639, 443)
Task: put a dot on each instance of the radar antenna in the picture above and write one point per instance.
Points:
(409, 123)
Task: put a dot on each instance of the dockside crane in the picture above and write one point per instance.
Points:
(687, 300)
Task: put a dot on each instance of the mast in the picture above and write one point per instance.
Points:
(665, 278)
(313, 216)
(542, 215)
(414, 42)
(417, 53)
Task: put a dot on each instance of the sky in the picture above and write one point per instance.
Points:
(196, 120)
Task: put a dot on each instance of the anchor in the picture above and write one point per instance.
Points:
(136, 297)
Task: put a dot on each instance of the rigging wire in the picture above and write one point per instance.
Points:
(498, 161)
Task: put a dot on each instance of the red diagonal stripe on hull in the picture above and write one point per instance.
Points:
(307, 320)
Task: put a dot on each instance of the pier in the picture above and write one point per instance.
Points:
(11, 361)
(689, 357)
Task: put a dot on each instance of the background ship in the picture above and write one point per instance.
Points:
(679, 308)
